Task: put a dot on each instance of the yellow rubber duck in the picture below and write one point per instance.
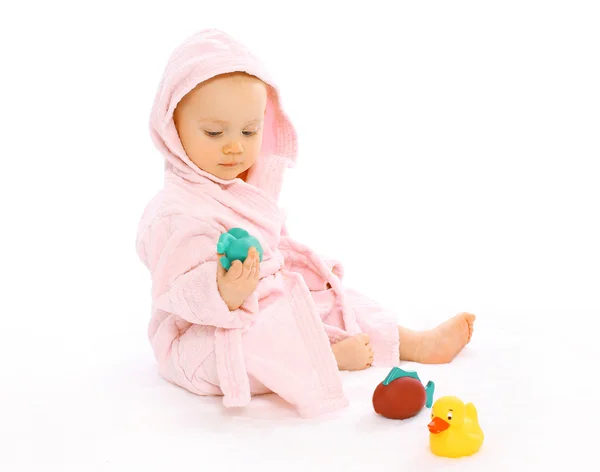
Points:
(454, 429)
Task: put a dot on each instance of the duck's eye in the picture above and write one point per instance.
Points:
(432, 416)
(449, 415)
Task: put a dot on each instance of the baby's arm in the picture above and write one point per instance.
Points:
(182, 257)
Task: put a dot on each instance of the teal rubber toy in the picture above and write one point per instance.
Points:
(235, 244)
(397, 373)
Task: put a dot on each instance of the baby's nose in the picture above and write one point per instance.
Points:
(233, 148)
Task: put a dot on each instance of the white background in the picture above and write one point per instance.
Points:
(464, 135)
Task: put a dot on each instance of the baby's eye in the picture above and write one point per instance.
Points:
(213, 134)
(449, 415)
(249, 133)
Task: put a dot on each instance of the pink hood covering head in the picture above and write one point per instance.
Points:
(202, 56)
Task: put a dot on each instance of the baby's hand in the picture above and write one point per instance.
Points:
(240, 281)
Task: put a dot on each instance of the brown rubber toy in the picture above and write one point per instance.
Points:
(401, 395)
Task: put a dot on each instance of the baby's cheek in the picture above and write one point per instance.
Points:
(254, 151)
(206, 155)
(213, 152)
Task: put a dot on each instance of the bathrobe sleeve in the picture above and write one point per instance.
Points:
(181, 254)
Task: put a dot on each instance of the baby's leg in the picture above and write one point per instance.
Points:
(185, 354)
(438, 345)
(286, 352)
(392, 343)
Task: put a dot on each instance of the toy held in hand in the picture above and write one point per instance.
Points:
(402, 395)
(235, 244)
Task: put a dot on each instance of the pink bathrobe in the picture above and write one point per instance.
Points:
(280, 339)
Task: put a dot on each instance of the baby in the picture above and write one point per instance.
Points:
(286, 325)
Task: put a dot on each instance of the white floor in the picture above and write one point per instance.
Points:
(115, 413)
(465, 134)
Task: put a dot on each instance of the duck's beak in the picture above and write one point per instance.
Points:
(438, 425)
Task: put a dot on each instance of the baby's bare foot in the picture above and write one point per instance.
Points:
(439, 345)
(353, 353)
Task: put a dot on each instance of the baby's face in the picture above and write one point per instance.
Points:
(220, 124)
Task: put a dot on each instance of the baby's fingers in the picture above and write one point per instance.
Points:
(221, 272)
(235, 271)
(255, 255)
(249, 263)
(255, 271)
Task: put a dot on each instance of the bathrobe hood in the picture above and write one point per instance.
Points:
(201, 57)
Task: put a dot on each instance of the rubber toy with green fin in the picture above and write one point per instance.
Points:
(235, 244)
(397, 373)
(401, 395)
